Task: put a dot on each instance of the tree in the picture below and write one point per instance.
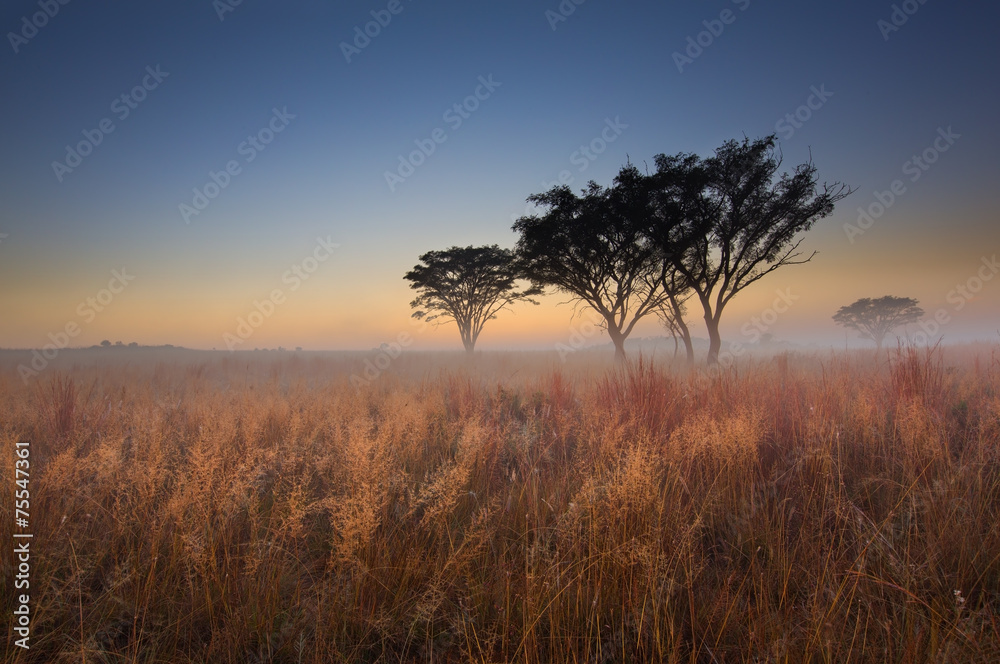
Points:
(676, 192)
(105, 344)
(469, 285)
(595, 247)
(674, 311)
(875, 318)
(740, 223)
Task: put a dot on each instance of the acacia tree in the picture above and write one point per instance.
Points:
(875, 318)
(674, 311)
(594, 246)
(741, 223)
(676, 195)
(469, 285)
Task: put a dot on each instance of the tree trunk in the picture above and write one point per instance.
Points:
(619, 341)
(679, 324)
(620, 352)
(686, 338)
(467, 341)
(688, 346)
(714, 339)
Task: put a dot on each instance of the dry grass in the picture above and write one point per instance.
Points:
(804, 509)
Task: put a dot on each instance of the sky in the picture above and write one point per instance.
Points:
(197, 172)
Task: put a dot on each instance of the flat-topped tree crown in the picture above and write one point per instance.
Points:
(469, 285)
(875, 318)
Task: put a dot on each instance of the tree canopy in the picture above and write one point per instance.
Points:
(875, 318)
(595, 246)
(469, 285)
(742, 220)
(698, 228)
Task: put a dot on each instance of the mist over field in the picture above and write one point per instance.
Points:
(266, 507)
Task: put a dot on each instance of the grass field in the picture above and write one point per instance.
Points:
(836, 507)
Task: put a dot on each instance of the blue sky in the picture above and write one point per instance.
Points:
(557, 84)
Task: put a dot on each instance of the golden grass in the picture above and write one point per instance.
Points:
(837, 508)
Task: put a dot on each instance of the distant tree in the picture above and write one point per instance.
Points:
(119, 344)
(742, 222)
(595, 247)
(106, 343)
(469, 285)
(133, 344)
(875, 318)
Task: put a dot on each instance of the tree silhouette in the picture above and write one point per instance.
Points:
(596, 248)
(740, 222)
(676, 190)
(674, 311)
(469, 285)
(875, 318)
(105, 344)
